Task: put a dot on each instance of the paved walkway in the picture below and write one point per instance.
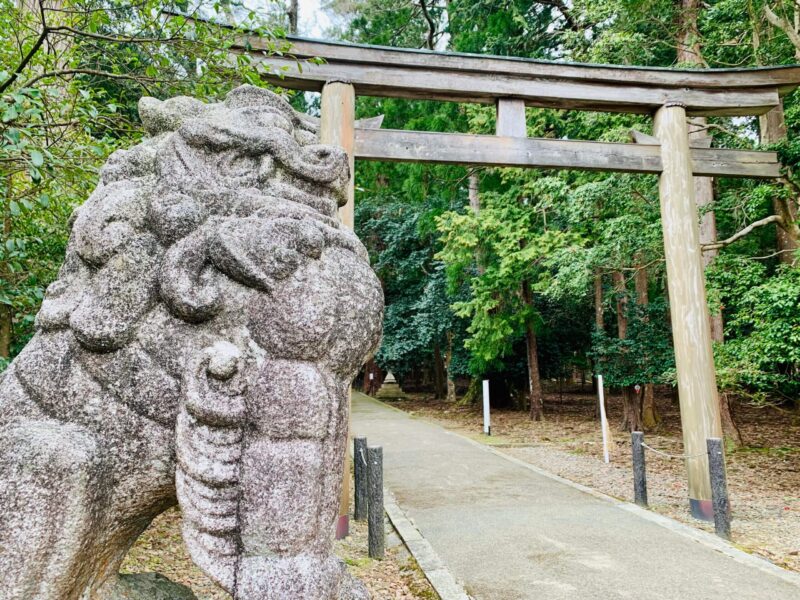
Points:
(509, 533)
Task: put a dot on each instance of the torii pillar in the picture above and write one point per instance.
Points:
(691, 329)
(337, 128)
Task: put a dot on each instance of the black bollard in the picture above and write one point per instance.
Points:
(375, 509)
(719, 488)
(639, 470)
(360, 478)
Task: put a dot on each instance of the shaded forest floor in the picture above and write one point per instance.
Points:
(160, 549)
(763, 475)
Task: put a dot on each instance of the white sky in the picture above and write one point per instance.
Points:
(313, 20)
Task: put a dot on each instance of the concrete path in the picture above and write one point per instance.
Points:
(508, 532)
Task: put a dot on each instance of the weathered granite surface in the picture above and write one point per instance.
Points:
(149, 586)
(197, 347)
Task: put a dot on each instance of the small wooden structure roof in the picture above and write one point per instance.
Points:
(459, 77)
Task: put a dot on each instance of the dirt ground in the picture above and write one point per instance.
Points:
(763, 475)
(397, 577)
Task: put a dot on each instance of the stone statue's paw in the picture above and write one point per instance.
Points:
(146, 586)
(300, 577)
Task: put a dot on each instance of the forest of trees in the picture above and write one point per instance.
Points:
(524, 276)
(528, 275)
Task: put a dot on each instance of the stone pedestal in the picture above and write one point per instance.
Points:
(390, 390)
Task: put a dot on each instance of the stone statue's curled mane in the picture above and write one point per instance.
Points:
(207, 172)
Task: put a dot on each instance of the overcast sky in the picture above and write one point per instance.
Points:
(313, 21)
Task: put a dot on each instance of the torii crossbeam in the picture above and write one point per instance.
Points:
(670, 95)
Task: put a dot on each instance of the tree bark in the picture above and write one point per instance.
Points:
(534, 381)
(772, 128)
(688, 47)
(729, 427)
(294, 16)
(622, 304)
(650, 416)
(448, 359)
(6, 328)
(598, 322)
(438, 372)
(631, 402)
(371, 386)
(475, 206)
(598, 300)
(474, 198)
(6, 311)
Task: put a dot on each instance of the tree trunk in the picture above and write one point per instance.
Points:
(632, 409)
(631, 402)
(451, 385)
(650, 416)
(6, 311)
(729, 427)
(534, 381)
(474, 198)
(438, 372)
(598, 322)
(293, 16)
(622, 304)
(773, 129)
(372, 385)
(598, 300)
(6, 329)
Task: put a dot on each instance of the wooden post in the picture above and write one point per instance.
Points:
(487, 418)
(360, 475)
(639, 469)
(376, 534)
(691, 330)
(719, 488)
(337, 127)
(511, 118)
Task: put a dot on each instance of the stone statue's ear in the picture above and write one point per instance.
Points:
(188, 283)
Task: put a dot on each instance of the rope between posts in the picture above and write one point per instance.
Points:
(671, 456)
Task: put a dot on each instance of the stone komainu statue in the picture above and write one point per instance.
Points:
(198, 347)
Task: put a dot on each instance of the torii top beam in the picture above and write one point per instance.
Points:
(458, 77)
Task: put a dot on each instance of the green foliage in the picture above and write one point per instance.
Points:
(645, 355)
(512, 249)
(402, 242)
(761, 359)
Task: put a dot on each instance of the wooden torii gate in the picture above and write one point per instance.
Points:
(511, 84)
